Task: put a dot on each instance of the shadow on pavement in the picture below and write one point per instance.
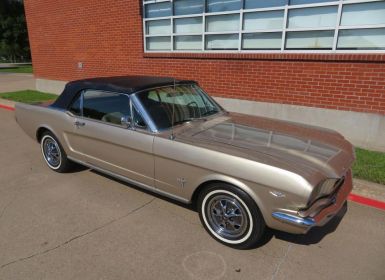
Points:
(78, 168)
(316, 234)
(186, 206)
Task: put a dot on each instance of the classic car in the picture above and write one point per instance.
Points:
(242, 173)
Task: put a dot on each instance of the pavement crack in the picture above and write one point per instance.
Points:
(5, 208)
(8, 204)
(281, 262)
(79, 236)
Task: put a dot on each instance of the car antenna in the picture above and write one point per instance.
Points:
(172, 136)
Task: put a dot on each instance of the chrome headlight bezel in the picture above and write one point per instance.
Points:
(326, 188)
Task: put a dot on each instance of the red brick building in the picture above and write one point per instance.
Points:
(319, 62)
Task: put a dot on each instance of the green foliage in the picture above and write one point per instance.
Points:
(14, 45)
(28, 96)
(21, 69)
(370, 166)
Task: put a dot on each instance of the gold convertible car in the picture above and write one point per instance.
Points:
(242, 173)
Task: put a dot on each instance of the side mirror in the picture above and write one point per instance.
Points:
(126, 121)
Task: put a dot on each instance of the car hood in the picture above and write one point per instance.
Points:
(303, 149)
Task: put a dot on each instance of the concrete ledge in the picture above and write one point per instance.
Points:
(362, 129)
(51, 86)
(7, 103)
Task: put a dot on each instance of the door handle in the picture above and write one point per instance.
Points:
(79, 124)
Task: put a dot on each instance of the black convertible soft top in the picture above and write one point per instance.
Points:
(122, 84)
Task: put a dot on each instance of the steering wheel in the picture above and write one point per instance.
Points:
(195, 108)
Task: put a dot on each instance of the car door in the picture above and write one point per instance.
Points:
(173, 174)
(99, 138)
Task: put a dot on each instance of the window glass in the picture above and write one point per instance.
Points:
(313, 17)
(222, 23)
(105, 106)
(263, 20)
(362, 39)
(260, 41)
(258, 4)
(309, 40)
(138, 121)
(363, 14)
(223, 5)
(222, 42)
(162, 9)
(188, 42)
(180, 25)
(75, 107)
(177, 105)
(188, 7)
(158, 43)
(158, 27)
(188, 25)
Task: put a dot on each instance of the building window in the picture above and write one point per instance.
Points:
(322, 26)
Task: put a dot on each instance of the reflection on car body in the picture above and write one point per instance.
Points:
(242, 172)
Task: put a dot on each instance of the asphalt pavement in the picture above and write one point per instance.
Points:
(84, 225)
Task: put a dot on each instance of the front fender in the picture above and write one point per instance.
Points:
(237, 183)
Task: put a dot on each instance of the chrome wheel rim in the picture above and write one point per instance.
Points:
(52, 152)
(227, 217)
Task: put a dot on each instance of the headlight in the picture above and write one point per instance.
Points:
(326, 188)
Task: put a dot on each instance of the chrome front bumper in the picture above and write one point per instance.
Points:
(295, 220)
(324, 215)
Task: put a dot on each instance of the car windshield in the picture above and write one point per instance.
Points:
(175, 105)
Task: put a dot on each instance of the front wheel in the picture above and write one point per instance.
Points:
(230, 216)
(53, 153)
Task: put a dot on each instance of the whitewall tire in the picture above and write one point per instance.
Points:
(230, 216)
(54, 154)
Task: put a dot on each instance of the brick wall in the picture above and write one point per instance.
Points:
(107, 37)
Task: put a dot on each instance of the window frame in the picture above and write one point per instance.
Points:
(132, 105)
(286, 9)
(151, 123)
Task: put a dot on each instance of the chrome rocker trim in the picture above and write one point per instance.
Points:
(129, 181)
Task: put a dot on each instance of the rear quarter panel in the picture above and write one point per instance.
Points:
(33, 117)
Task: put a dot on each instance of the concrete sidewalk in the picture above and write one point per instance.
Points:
(14, 82)
(7, 103)
(369, 189)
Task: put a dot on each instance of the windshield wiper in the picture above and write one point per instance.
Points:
(189, 120)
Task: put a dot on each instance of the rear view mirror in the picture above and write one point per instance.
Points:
(126, 121)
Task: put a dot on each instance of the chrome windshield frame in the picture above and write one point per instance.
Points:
(149, 120)
(143, 112)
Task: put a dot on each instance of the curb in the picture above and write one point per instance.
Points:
(7, 107)
(369, 189)
(365, 193)
(6, 104)
(367, 201)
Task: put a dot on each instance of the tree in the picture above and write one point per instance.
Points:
(14, 44)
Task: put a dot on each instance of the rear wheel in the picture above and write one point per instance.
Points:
(230, 216)
(54, 154)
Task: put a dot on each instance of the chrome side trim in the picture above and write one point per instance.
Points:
(130, 181)
(291, 219)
